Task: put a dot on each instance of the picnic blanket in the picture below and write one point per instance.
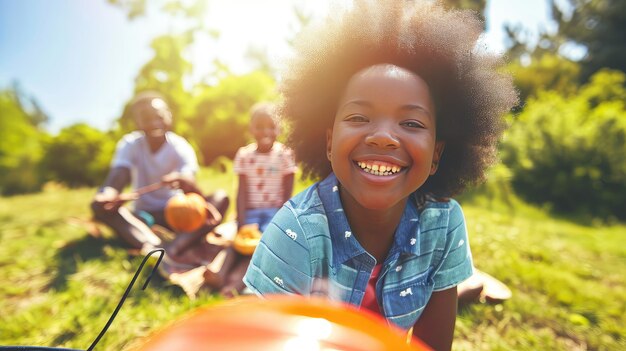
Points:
(188, 269)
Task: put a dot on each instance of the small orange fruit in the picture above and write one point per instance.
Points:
(247, 238)
(186, 212)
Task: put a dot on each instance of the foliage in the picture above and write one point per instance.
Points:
(220, 121)
(496, 193)
(20, 145)
(595, 26)
(137, 8)
(548, 72)
(568, 151)
(60, 285)
(29, 105)
(168, 71)
(78, 156)
(164, 73)
(202, 112)
(598, 25)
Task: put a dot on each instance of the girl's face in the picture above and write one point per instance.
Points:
(383, 146)
(265, 131)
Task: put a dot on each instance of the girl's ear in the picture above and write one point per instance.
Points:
(439, 146)
(329, 143)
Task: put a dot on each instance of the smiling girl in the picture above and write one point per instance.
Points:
(396, 109)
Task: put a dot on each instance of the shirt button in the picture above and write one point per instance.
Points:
(398, 269)
(413, 241)
(347, 234)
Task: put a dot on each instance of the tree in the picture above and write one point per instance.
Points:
(548, 72)
(29, 104)
(596, 26)
(164, 73)
(20, 146)
(599, 26)
(221, 114)
(168, 71)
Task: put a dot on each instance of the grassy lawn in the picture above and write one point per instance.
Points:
(59, 285)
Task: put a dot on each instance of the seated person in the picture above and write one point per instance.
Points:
(151, 155)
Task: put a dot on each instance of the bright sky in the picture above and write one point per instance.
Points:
(79, 58)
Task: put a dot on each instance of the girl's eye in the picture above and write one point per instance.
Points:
(412, 124)
(356, 119)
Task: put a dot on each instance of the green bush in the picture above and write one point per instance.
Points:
(220, 121)
(570, 151)
(20, 147)
(78, 156)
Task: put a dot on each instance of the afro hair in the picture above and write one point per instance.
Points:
(470, 92)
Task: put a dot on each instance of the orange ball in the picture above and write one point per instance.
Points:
(281, 323)
(186, 212)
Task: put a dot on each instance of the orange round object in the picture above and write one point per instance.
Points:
(247, 239)
(281, 323)
(186, 212)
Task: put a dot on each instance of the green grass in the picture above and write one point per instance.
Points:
(59, 285)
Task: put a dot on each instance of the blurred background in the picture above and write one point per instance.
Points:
(549, 222)
(68, 69)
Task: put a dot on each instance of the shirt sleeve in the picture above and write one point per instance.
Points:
(238, 161)
(189, 159)
(281, 263)
(123, 156)
(456, 263)
(288, 162)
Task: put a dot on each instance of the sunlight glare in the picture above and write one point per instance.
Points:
(310, 332)
(264, 26)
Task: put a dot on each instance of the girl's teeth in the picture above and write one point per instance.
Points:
(379, 170)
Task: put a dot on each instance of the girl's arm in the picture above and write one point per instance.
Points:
(436, 324)
(281, 263)
(288, 180)
(242, 200)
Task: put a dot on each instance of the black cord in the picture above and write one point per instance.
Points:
(127, 292)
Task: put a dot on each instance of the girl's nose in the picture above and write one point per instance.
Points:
(383, 138)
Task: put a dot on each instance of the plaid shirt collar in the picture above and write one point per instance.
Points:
(345, 246)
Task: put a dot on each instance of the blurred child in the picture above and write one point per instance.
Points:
(266, 175)
(265, 168)
(395, 109)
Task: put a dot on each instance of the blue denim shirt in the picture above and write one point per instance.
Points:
(309, 249)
